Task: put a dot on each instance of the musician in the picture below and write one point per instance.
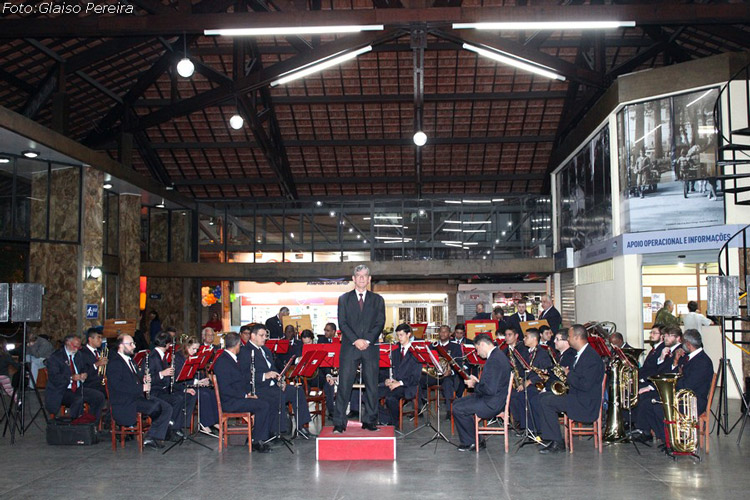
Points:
(269, 385)
(550, 313)
(294, 351)
(207, 335)
(329, 334)
(539, 359)
(162, 385)
(650, 365)
(208, 414)
(547, 338)
(480, 314)
(245, 334)
(459, 335)
(617, 340)
(404, 379)
(126, 388)
(697, 371)
(512, 342)
(234, 393)
(499, 315)
(583, 401)
(361, 319)
(672, 344)
(451, 385)
(66, 374)
(93, 360)
(275, 324)
(519, 317)
(490, 393)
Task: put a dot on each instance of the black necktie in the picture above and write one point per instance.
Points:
(361, 302)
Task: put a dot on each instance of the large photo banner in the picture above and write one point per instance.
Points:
(666, 158)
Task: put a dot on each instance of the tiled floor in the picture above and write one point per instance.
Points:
(32, 469)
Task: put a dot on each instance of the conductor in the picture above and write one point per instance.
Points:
(361, 320)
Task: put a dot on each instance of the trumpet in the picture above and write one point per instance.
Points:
(102, 370)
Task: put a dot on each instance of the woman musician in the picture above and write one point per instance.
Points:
(208, 412)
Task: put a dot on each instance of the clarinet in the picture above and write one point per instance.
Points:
(147, 374)
(252, 373)
(171, 379)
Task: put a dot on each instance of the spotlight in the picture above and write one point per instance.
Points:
(107, 185)
(93, 273)
(4, 159)
(420, 138)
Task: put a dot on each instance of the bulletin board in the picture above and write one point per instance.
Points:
(677, 294)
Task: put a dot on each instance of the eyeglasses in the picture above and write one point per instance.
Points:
(128, 343)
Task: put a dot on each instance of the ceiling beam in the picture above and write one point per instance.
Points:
(363, 179)
(178, 22)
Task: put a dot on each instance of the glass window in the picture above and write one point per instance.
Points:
(181, 235)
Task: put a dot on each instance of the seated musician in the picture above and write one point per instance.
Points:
(244, 334)
(66, 375)
(617, 340)
(319, 379)
(451, 385)
(650, 365)
(234, 393)
(294, 351)
(208, 411)
(93, 360)
(459, 335)
(697, 370)
(582, 402)
(207, 336)
(539, 359)
(404, 377)
(329, 333)
(514, 341)
(490, 393)
(672, 344)
(126, 394)
(163, 385)
(566, 358)
(269, 385)
(546, 338)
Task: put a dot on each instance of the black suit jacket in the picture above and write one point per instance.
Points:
(159, 386)
(231, 380)
(552, 315)
(649, 364)
(585, 382)
(492, 388)
(666, 365)
(366, 324)
(93, 380)
(539, 359)
(59, 376)
(275, 328)
(407, 370)
(481, 316)
(261, 367)
(464, 341)
(514, 321)
(125, 388)
(696, 376)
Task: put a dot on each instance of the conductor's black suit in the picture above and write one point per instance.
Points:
(365, 322)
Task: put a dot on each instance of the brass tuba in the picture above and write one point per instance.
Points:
(680, 414)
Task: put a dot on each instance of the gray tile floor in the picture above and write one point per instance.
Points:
(31, 469)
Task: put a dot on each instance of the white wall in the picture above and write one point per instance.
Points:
(712, 345)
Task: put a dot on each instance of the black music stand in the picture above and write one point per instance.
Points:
(309, 362)
(286, 442)
(188, 371)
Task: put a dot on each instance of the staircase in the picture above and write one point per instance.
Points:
(733, 152)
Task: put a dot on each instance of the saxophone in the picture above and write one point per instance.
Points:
(559, 386)
(517, 378)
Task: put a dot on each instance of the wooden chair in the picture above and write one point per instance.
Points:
(574, 428)
(414, 411)
(225, 430)
(318, 400)
(142, 426)
(485, 430)
(704, 419)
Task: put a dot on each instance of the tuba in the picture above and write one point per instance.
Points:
(680, 414)
(623, 394)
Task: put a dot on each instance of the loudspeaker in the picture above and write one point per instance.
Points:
(26, 302)
(4, 302)
(723, 296)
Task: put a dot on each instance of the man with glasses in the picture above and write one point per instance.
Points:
(126, 394)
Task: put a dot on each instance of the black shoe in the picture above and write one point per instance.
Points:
(370, 427)
(261, 447)
(466, 447)
(447, 416)
(152, 443)
(338, 429)
(352, 414)
(555, 447)
(305, 433)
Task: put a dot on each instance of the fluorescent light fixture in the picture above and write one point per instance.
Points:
(707, 130)
(319, 65)
(294, 30)
(403, 240)
(474, 230)
(388, 237)
(388, 225)
(160, 204)
(515, 62)
(453, 222)
(476, 222)
(4, 159)
(497, 200)
(471, 244)
(546, 25)
(107, 185)
(453, 202)
(185, 67)
(30, 153)
(477, 201)
(420, 138)
(387, 217)
(699, 98)
(648, 134)
(449, 230)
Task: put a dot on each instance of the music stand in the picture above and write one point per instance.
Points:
(205, 353)
(278, 346)
(140, 356)
(597, 343)
(278, 435)
(476, 326)
(528, 436)
(216, 358)
(188, 371)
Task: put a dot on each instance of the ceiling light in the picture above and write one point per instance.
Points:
(332, 213)
(502, 233)
(420, 138)
(449, 230)
(107, 185)
(211, 221)
(421, 212)
(498, 240)
(236, 121)
(471, 244)
(291, 235)
(547, 25)
(160, 204)
(351, 229)
(386, 217)
(294, 30)
(497, 200)
(29, 153)
(453, 202)
(185, 68)
(359, 236)
(489, 252)
(93, 273)
(477, 201)
(4, 159)
(476, 222)
(389, 225)
(319, 203)
(319, 65)
(515, 61)
(474, 230)
(453, 222)
(510, 222)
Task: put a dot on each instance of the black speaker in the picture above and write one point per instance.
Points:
(26, 302)
(4, 302)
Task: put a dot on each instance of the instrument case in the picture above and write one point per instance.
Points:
(64, 432)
